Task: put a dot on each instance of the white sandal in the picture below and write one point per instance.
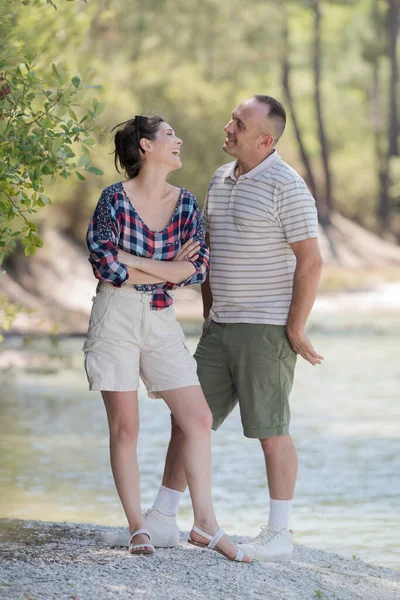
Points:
(140, 548)
(213, 543)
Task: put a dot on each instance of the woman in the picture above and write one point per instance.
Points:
(145, 239)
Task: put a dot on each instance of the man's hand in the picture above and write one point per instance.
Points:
(302, 345)
(189, 250)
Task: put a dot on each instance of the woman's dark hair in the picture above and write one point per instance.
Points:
(128, 152)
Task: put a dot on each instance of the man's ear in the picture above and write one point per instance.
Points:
(267, 141)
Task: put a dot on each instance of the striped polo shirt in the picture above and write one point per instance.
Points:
(252, 221)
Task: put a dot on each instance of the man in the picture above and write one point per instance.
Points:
(261, 225)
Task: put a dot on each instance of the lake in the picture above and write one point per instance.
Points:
(54, 463)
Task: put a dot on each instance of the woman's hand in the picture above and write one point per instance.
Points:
(188, 251)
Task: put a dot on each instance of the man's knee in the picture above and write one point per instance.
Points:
(273, 444)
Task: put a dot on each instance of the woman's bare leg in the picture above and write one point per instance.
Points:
(192, 414)
(123, 421)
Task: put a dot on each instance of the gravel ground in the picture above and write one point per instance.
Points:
(67, 561)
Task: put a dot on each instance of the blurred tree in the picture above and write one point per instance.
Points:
(40, 130)
(392, 148)
(194, 62)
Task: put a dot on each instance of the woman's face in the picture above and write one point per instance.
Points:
(165, 149)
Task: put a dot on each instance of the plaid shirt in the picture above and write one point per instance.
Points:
(115, 224)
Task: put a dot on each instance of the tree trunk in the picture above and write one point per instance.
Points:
(385, 208)
(290, 103)
(393, 28)
(318, 106)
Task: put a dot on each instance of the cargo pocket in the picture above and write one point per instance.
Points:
(101, 306)
(92, 367)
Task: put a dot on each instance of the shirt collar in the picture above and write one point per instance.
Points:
(258, 170)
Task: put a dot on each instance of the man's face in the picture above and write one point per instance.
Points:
(245, 131)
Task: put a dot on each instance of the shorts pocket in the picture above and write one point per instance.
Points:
(278, 341)
(89, 345)
(92, 368)
(100, 309)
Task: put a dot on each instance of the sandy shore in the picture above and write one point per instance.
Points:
(68, 561)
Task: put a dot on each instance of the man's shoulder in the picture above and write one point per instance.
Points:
(283, 175)
(223, 171)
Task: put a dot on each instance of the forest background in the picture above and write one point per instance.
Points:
(71, 72)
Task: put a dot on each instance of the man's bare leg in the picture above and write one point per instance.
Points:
(281, 465)
(174, 473)
(275, 542)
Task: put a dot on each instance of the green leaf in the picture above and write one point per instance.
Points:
(89, 142)
(76, 81)
(30, 249)
(57, 144)
(84, 160)
(47, 170)
(45, 199)
(55, 71)
(68, 152)
(72, 114)
(99, 108)
(79, 176)
(95, 170)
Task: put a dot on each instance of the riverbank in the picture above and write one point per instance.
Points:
(43, 561)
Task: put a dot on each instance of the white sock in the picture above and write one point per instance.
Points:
(167, 501)
(279, 513)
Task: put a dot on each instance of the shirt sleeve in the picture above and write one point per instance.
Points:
(205, 217)
(296, 212)
(102, 241)
(202, 263)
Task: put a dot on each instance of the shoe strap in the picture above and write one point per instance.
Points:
(213, 540)
(140, 531)
(239, 556)
(216, 538)
(203, 533)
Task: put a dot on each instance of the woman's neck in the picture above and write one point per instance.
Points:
(150, 184)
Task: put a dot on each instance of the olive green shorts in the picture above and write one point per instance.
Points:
(251, 364)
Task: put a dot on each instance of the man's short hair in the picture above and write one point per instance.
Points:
(276, 113)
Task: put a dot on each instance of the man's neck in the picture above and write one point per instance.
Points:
(243, 167)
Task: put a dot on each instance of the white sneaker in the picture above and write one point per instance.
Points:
(163, 530)
(271, 544)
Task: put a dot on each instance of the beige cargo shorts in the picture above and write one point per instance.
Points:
(127, 340)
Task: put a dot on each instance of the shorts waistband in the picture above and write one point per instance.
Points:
(126, 292)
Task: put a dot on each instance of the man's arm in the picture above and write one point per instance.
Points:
(305, 287)
(206, 289)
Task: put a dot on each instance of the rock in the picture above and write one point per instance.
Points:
(68, 561)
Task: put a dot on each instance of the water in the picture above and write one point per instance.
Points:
(54, 462)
